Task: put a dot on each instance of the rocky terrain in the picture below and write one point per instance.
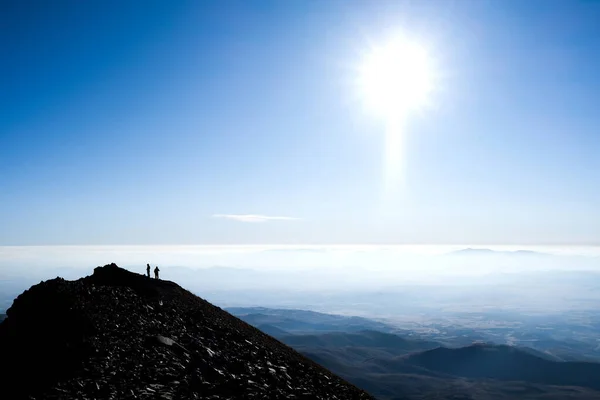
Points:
(120, 335)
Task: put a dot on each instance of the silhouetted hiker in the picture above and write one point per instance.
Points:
(156, 272)
(148, 270)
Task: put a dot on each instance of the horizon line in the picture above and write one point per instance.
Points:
(302, 244)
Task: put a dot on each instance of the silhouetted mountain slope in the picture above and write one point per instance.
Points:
(505, 363)
(2, 316)
(120, 335)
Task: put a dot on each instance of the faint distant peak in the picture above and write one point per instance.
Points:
(489, 252)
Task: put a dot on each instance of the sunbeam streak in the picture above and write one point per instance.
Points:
(394, 160)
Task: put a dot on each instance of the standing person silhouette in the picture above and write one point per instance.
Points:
(148, 270)
(156, 272)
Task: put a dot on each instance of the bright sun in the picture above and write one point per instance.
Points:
(396, 78)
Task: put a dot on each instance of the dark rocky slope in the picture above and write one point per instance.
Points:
(120, 335)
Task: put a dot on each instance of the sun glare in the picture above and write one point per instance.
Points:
(396, 78)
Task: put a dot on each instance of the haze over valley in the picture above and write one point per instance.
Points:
(544, 298)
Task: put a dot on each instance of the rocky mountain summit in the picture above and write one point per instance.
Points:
(120, 335)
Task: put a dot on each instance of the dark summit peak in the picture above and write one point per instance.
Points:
(113, 275)
(121, 335)
(113, 271)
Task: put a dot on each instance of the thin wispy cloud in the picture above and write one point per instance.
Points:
(254, 217)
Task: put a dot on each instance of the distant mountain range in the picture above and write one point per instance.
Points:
(490, 252)
(391, 343)
(504, 363)
(287, 321)
(393, 367)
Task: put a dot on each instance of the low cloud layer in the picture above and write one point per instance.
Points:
(253, 217)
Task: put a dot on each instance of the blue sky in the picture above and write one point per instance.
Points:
(138, 122)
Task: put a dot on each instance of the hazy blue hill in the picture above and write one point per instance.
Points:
(370, 339)
(2, 316)
(272, 330)
(394, 367)
(352, 350)
(282, 323)
(490, 252)
(505, 363)
(541, 354)
(390, 378)
(302, 321)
